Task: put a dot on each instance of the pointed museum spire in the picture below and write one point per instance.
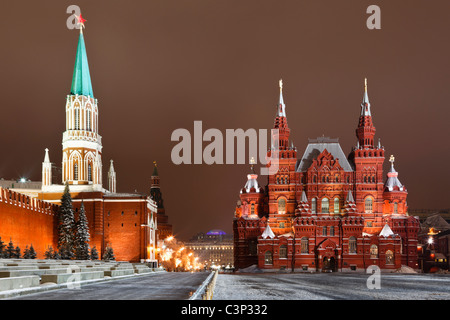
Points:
(365, 105)
(281, 106)
(81, 80)
(366, 130)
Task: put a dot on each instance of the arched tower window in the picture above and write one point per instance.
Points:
(252, 209)
(88, 120)
(368, 205)
(396, 207)
(75, 171)
(89, 172)
(77, 119)
(313, 205)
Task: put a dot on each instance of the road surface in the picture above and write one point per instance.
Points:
(152, 286)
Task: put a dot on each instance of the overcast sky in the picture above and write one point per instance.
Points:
(157, 66)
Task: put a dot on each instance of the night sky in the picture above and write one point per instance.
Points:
(161, 65)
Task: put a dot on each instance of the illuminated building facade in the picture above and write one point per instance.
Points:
(325, 211)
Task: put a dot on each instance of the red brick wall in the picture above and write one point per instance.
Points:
(123, 230)
(27, 221)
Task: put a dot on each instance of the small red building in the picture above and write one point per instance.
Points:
(325, 211)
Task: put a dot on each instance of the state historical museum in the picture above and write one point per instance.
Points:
(325, 211)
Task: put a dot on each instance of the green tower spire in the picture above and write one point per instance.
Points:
(81, 80)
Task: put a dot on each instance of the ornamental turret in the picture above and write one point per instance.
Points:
(395, 192)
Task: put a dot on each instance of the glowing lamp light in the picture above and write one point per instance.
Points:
(430, 240)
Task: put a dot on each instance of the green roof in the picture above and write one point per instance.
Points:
(81, 80)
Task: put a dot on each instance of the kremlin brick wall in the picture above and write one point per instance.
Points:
(27, 221)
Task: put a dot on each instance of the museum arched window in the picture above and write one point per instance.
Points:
(304, 245)
(395, 207)
(281, 205)
(336, 205)
(283, 252)
(373, 251)
(389, 257)
(325, 205)
(368, 205)
(352, 245)
(268, 258)
(313, 205)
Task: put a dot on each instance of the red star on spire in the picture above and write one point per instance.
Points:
(80, 21)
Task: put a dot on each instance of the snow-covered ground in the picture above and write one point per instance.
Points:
(319, 286)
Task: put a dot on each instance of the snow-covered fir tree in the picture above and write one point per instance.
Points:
(82, 236)
(17, 253)
(32, 252)
(26, 253)
(48, 254)
(56, 255)
(109, 254)
(9, 252)
(2, 248)
(66, 226)
(94, 253)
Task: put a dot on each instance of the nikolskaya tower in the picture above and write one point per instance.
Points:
(81, 142)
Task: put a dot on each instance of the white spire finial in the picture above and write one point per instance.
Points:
(46, 157)
(365, 84)
(281, 106)
(392, 159)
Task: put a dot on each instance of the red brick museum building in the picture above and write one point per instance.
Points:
(325, 211)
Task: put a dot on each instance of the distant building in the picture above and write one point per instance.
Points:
(164, 227)
(213, 248)
(434, 243)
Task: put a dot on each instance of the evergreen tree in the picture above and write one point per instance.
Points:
(10, 250)
(82, 236)
(109, 254)
(94, 253)
(26, 253)
(2, 248)
(49, 253)
(66, 226)
(32, 252)
(56, 255)
(17, 252)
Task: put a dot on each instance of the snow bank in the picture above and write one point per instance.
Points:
(405, 269)
(252, 269)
